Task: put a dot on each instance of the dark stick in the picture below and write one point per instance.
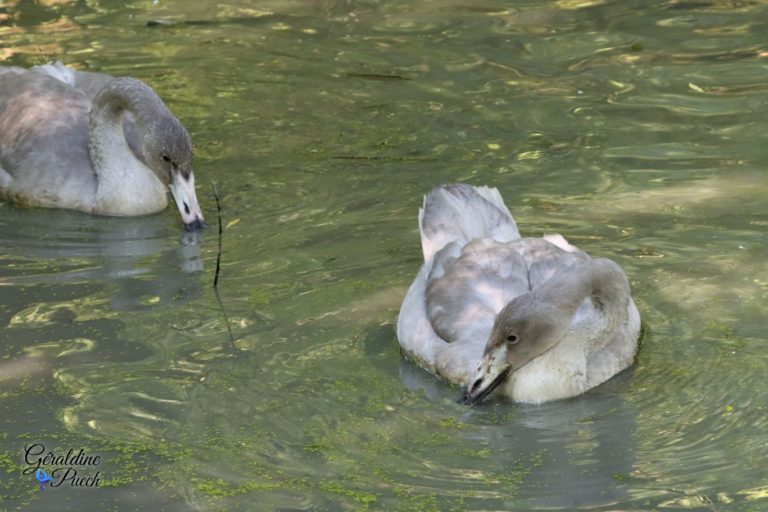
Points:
(221, 230)
(218, 269)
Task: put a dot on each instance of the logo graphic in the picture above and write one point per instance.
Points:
(54, 469)
(42, 477)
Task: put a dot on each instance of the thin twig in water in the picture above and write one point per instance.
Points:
(378, 76)
(221, 230)
(218, 269)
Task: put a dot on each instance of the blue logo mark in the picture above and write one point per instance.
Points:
(42, 477)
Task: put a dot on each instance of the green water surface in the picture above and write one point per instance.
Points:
(636, 129)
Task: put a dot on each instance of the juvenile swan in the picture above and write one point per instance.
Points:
(536, 318)
(92, 142)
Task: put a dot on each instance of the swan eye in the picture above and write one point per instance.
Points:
(166, 158)
(512, 338)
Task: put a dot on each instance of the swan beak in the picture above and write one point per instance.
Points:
(183, 192)
(493, 370)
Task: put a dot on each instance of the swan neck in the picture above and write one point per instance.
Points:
(125, 185)
(107, 140)
(608, 287)
(599, 280)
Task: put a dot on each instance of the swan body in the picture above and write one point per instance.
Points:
(92, 142)
(535, 318)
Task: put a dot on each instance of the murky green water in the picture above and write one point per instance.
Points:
(636, 129)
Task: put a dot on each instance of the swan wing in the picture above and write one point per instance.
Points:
(468, 285)
(451, 217)
(44, 154)
(543, 258)
(415, 334)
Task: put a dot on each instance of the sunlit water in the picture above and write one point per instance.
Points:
(637, 130)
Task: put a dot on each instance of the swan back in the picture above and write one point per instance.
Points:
(44, 158)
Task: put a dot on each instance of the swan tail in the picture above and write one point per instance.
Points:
(461, 212)
(57, 70)
(561, 242)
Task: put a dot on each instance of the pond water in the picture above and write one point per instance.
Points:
(635, 129)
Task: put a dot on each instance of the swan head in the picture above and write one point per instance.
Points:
(524, 329)
(167, 148)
